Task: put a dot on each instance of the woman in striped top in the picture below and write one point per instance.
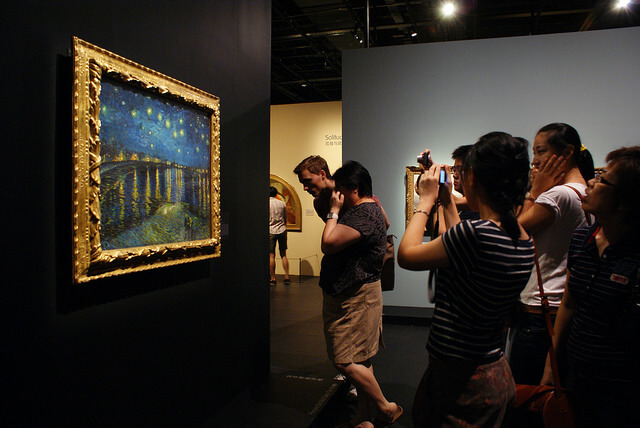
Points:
(483, 266)
(599, 318)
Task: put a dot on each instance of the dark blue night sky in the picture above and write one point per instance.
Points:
(144, 123)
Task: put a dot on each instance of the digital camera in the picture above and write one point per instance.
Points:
(424, 159)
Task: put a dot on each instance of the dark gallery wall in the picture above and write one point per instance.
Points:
(168, 346)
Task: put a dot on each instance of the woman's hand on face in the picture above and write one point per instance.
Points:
(532, 174)
(337, 200)
(550, 173)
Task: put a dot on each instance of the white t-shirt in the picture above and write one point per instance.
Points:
(552, 243)
(277, 216)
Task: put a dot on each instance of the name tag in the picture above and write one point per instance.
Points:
(620, 279)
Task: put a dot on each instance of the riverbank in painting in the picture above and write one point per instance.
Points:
(144, 203)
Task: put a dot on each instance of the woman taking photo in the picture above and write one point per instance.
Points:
(561, 167)
(598, 323)
(354, 245)
(483, 266)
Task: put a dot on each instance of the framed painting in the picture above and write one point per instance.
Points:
(288, 195)
(146, 167)
(411, 176)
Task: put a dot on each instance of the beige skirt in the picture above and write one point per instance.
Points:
(353, 324)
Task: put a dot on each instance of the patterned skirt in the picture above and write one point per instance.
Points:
(464, 394)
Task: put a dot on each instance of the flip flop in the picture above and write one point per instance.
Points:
(379, 422)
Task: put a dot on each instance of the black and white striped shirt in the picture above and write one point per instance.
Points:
(476, 292)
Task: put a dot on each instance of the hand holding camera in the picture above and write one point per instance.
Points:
(434, 179)
(424, 159)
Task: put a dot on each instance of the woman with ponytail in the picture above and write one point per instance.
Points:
(483, 265)
(561, 167)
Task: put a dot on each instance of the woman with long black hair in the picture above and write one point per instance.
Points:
(483, 266)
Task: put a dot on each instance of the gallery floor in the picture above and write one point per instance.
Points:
(302, 390)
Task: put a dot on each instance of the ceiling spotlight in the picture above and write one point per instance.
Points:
(448, 9)
(621, 4)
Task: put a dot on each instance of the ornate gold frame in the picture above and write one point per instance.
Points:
(412, 172)
(90, 261)
(411, 176)
(295, 209)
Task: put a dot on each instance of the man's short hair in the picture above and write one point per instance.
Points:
(461, 152)
(273, 192)
(314, 164)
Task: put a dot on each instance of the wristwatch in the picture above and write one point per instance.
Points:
(332, 215)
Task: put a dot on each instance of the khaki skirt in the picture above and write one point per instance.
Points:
(353, 324)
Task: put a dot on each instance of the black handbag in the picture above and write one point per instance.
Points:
(387, 276)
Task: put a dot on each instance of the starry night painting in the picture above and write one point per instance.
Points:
(155, 171)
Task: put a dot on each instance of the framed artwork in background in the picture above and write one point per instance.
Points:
(288, 195)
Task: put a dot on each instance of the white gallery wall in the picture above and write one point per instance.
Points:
(298, 131)
(399, 100)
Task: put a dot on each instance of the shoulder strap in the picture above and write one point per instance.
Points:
(545, 311)
(581, 197)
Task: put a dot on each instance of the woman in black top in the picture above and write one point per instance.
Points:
(354, 245)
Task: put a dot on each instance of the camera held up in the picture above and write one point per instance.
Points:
(425, 160)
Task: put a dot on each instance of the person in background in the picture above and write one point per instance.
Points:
(483, 266)
(315, 177)
(458, 157)
(353, 243)
(552, 211)
(598, 322)
(277, 233)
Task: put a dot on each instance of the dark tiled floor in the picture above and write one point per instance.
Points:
(302, 391)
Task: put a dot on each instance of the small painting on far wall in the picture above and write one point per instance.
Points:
(288, 195)
(412, 174)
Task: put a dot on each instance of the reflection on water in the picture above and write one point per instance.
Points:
(145, 203)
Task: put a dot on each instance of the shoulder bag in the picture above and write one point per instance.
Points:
(548, 404)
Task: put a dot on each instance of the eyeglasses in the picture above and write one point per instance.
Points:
(600, 179)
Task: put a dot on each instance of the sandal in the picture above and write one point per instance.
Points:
(379, 421)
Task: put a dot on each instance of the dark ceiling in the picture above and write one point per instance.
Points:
(308, 36)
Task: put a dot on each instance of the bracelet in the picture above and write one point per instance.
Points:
(421, 211)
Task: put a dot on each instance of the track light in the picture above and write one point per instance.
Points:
(448, 9)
